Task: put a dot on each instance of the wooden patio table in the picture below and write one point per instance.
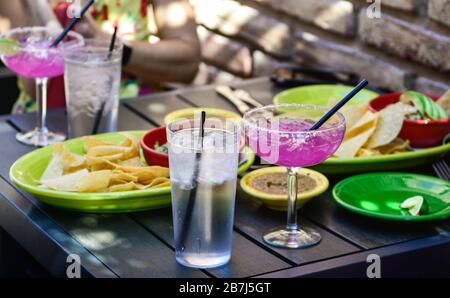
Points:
(141, 244)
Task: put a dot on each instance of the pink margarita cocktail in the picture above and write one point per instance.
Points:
(281, 135)
(36, 58)
(281, 142)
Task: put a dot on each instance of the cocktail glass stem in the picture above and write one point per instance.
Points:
(291, 236)
(40, 136)
(292, 189)
(41, 99)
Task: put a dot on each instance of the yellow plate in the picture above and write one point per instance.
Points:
(279, 202)
(210, 112)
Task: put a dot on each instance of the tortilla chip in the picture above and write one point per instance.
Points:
(388, 127)
(70, 161)
(54, 168)
(94, 181)
(350, 147)
(363, 152)
(398, 145)
(123, 187)
(368, 121)
(91, 142)
(121, 176)
(353, 113)
(444, 101)
(66, 182)
(132, 162)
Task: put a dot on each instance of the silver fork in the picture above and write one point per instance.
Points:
(442, 169)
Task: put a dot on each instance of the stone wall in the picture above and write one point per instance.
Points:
(406, 46)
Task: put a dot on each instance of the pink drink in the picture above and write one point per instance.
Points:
(37, 60)
(281, 142)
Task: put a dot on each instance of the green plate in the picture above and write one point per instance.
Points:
(248, 163)
(380, 195)
(396, 161)
(320, 95)
(28, 169)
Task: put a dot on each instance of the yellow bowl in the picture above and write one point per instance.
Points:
(210, 112)
(279, 202)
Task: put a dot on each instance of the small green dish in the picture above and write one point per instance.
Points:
(321, 95)
(379, 195)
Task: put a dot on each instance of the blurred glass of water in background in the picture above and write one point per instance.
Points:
(92, 82)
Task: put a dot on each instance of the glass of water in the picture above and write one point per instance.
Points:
(203, 174)
(92, 82)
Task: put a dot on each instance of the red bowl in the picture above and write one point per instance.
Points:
(156, 158)
(148, 142)
(420, 133)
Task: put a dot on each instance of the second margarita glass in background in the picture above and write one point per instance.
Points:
(92, 82)
(203, 175)
(36, 59)
(280, 135)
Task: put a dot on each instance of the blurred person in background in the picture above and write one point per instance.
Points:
(160, 41)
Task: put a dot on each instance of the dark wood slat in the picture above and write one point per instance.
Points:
(254, 220)
(11, 149)
(247, 258)
(158, 106)
(261, 89)
(206, 97)
(128, 120)
(122, 244)
(426, 257)
(57, 120)
(46, 241)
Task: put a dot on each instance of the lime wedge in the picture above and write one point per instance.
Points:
(9, 46)
(413, 204)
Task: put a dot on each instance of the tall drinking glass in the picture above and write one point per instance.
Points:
(280, 135)
(92, 82)
(203, 177)
(38, 60)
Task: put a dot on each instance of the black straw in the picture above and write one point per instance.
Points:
(99, 115)
(191, 202)
(113, 43)
(72, 23)
(339, 105)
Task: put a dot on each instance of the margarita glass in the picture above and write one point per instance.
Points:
(280, 135)
(36, 59)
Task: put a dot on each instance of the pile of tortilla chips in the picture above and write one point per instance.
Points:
(105, 167)
(369, 133)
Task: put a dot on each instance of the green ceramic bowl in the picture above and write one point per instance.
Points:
(28, 169)
(320, 95)
(379, 195)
